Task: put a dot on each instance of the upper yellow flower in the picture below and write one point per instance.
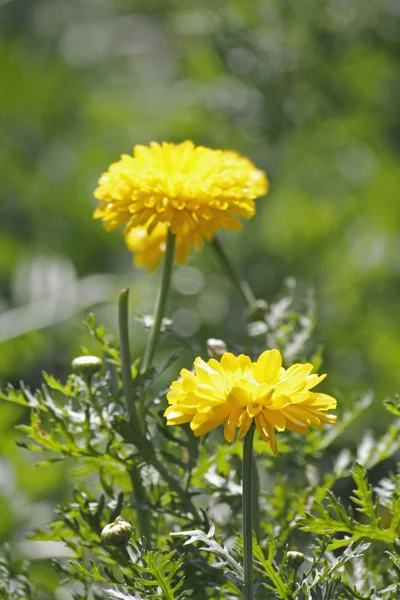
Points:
(192, 190)
(237, 391)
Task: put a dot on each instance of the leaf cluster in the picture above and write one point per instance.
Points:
(314, 500)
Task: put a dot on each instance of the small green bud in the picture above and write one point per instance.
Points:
(295, 559)
(116, 533)
(216, 348)
(86, 366)
(257, 311)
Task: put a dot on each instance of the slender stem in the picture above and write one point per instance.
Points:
(176, 487)
(146, 449)
(130, 396)
(126, 556)
(127, 380)
(247, 506)
(255, 497)
(144, 524)
(242, 286)
(95, 403)
(161, 302)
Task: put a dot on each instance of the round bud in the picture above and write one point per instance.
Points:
(256, 311)
(87, 366)
(295, 559)
(116, 533)
(216, 348)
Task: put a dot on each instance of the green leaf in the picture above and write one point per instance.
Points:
(17, 397)
(363, 495)
(268, 567)
(393, 405)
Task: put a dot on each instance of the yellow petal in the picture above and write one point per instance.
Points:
(230, 429)
(272, 438)
(268, 366)
(296, 427)
(303, 416)
(294, 376)
(229, 362)
(253, 409)
(245, 424)
(205, 427)
(238, 397)
(177, 418)
(276, 418)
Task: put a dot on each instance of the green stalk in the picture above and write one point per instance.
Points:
(249, 299)
(161, 302)
(176, 487)
(255, 504)
(126, 556)
(130, 396)
(127, 380)
(242, 286)
(247, 509)
(146, 449)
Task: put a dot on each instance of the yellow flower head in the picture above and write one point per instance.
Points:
(148, 249)
(237, 391)
(190, 189)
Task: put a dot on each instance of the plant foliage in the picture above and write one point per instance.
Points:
(183, 495)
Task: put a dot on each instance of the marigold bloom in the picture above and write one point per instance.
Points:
(194, 191)
(148, 249)
(237, 391)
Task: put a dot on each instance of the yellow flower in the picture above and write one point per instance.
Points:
(192, 190)
(237, 391)
(150, 248)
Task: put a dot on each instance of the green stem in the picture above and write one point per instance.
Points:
(161, 302)
(95, 403)
(242, 286)
(126, 556)
(176, 487)
(247, 507)
(130, 396)
(255, 498)
(139, 491)
(127, 380)
(146, 449)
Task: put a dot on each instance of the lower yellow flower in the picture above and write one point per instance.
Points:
(149, 248)
(237, 391)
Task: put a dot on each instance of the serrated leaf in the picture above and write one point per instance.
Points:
(16, 397)
(268, 566)
(363, 495)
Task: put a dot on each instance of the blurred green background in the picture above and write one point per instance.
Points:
(308, 89)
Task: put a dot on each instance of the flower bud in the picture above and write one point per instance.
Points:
(295, 559)
(116, 533)
(86, 366)
(216, 348)
(256, 311)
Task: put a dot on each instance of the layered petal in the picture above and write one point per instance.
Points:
(237, 392)
(192, 190)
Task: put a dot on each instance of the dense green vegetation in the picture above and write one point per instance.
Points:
(308, 90)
